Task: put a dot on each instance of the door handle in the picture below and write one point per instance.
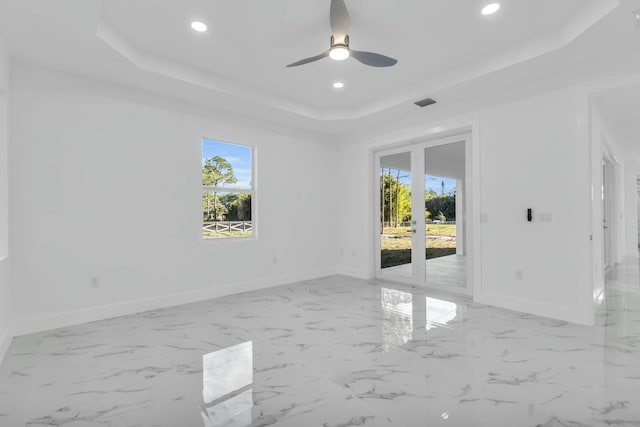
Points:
(414, 231)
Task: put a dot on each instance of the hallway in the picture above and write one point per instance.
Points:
(618, 315)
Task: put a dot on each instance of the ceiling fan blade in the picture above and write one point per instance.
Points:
(373, 59)
(311, 59)
(339, 19)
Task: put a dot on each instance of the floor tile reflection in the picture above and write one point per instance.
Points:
(332, 352)
(227, 376)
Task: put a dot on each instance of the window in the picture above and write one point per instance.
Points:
(228, 190)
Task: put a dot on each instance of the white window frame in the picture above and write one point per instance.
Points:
(221, 189)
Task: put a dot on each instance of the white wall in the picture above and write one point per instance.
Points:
(532, 154)
(105, 183)
(533, 157)
(5, 289)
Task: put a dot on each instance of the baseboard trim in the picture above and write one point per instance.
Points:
(5, 341)
(567, 314)
(75, 317)
(354, 272)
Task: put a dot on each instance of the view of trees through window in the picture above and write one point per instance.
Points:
(227, 190)
(395, 216)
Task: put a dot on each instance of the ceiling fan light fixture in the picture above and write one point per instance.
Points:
(339, 53)
(339, 42)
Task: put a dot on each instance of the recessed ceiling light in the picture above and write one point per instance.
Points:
(199, 26)
(490, 9)
(338, 85)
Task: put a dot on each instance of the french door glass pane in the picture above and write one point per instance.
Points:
(395, 214)
(444, 180)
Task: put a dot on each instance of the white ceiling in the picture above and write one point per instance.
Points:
(445, 49)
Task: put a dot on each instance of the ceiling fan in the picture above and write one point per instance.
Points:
(340, 50)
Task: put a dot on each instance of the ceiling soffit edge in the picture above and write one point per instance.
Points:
(157, 65)
(535, 48)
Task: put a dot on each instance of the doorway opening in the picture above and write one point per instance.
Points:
(422, 214)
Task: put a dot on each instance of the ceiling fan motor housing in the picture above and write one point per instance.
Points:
(345, 43)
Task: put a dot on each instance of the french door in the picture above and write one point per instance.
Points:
(421, 214)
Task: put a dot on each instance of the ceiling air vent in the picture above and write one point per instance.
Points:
(425, 102)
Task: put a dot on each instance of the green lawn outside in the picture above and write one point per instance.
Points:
(396, 244)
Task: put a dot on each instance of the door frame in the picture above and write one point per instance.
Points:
(609, 209)
(418, 258)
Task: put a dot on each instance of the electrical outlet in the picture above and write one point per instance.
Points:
(519, 274)
(95, 282)
(275, 259)
(544, 217)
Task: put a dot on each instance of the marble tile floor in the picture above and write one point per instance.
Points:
(332, 352)
(446, 271)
